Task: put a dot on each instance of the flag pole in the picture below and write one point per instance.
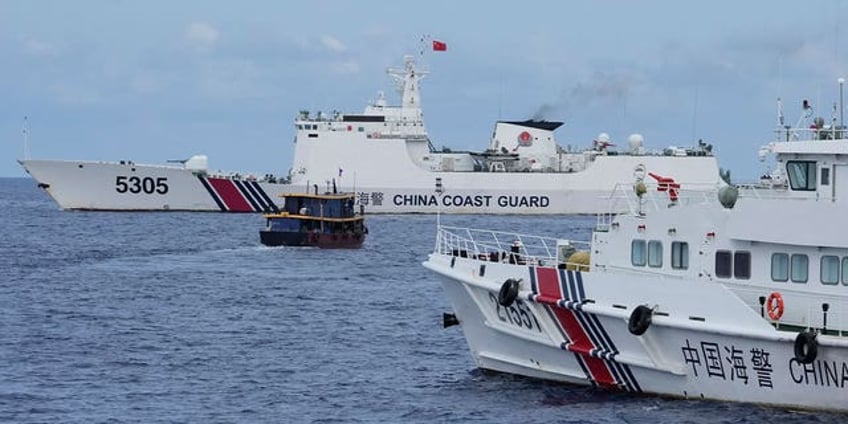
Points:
(439, 190)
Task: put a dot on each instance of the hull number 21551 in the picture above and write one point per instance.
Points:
(517, 314)
(136, 185)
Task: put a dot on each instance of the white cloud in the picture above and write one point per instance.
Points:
(233, 79)
(146, 84)
(346, 67)
(332, 43)
(75, 94)
(201, 35)
(39, 48)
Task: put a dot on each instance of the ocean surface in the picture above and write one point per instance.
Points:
(186, 318)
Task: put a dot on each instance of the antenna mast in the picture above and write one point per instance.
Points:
(25, 132)
(841, 105)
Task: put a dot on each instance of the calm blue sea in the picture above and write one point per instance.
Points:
(185, 317)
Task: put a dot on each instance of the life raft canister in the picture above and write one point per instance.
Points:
(774, 306)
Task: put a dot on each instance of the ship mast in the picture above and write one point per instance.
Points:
(406, 84)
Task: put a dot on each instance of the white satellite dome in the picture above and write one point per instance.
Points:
(635, 142)
(603, 138)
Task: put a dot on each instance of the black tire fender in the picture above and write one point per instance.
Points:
(508, 292)
(640, 320)
(806, 347)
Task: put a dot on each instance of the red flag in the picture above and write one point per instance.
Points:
(439, 46)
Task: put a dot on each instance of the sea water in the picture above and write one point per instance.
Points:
(185, 317)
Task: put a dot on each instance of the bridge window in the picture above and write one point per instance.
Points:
(829, 270)
(798, 269)
(722, 264)
(780, 267)
(742, 265)
(638, 254)
(679, 255)
(825, 176)
(845, 270)
(802, 175)
(655, 253)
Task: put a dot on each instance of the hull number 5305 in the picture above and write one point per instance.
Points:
(136, 185)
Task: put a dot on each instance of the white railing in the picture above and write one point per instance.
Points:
(624, 198)
(759, 191)
(830, 132)
(499, 246)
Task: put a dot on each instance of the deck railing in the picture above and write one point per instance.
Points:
(624, 198)
(500, 246)
(832, 132)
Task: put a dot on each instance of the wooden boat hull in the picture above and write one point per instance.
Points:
(321, 240)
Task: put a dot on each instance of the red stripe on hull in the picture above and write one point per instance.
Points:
(580, 343)
(231, 195)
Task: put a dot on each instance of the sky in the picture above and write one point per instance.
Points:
(152, 81)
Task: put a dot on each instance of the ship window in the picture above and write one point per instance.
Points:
(798, 270)
(655, 249)
(679, 255)
(637, 253)
(722, 264)
(361, 129)
(829, 270)
(802, 175)
(780, 267)
(742, 265)
(825, 176)
(845, 270)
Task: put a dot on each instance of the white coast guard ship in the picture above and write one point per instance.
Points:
(731, 293)
(385, 155)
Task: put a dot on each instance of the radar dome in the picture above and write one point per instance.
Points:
(603, 138)
(197, 163)
(635, 142)
(727, 195)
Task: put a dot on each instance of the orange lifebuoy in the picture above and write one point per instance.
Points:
(774, 306)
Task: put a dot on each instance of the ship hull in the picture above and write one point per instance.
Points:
(323, 240)
(572, 326)
(86, 185)
(124, 186)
